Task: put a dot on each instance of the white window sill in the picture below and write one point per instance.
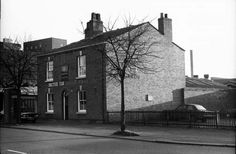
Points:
(80, 77)
(49, 81)
(82, 112)
(49, 112)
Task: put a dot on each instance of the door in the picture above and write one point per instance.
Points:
(65, 113)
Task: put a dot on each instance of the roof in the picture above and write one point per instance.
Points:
(97, 40)
(203, 83)
(178, 46)
(228, 82)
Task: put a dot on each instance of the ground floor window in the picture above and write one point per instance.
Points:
(50, 102)
(82, 101)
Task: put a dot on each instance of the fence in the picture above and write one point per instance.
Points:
(190, 119)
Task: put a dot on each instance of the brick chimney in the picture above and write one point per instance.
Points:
(94, 26)
(165, 26)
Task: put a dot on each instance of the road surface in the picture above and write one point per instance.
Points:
(16, 141)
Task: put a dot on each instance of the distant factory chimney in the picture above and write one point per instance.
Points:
(191, 62)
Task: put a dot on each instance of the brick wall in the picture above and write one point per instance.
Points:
(92, 84)
(170, 76)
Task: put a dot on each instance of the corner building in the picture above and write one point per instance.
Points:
(72, 81)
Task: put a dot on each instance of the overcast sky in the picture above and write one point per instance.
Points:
(208, 27)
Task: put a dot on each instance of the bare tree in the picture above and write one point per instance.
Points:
(129, 54)
(17, 70)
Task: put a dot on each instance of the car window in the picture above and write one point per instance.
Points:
(180, 108)
(200, 108)
(190, 108)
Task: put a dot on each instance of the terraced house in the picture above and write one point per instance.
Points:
(72, 82)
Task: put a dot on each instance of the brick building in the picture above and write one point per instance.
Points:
(72, 82)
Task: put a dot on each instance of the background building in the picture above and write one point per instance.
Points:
(44, 45)
(8, 99)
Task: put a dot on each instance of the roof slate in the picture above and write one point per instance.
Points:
(203, 83)
(97, 39)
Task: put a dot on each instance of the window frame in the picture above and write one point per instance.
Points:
(80, 66)
(80, 101)
(48, 78)
(50, 102)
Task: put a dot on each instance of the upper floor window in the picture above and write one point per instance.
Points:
(81, 66)
(49, 71)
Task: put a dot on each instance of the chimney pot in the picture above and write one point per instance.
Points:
(161, 15)
(94, 16)
(166, 15)
(98, 17)
(206, 76)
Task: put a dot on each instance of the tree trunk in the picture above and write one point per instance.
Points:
(122, 112)
(18, 106)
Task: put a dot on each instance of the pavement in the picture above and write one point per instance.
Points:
(157, 134)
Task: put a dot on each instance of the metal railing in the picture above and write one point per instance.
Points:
(190, 119)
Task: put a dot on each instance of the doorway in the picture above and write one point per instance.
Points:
(65, 112)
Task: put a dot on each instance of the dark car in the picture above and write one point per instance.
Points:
(192, 112)
(29, 116)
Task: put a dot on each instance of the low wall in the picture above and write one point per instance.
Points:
(212, 99)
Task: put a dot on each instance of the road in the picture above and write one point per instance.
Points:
(15, 141)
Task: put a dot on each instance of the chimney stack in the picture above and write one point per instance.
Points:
(94, 26)
(165, 26)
